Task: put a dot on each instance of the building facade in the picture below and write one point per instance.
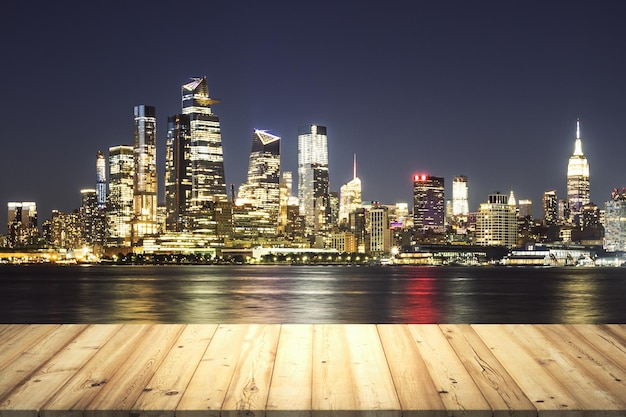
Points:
(550, 204)
(428, 203)
(350, 196)
(615, 221)
(460, 202)
(178, 174)
(22, 226)
(577, 181)
(101, 180)
(379, 231)
(313, 178)
(496, 222)
(145, 169)
(120, 205)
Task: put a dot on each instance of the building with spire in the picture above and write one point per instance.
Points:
(313, 179)
(207, 161)
(577, 180)
(145, 169)
(350, 196)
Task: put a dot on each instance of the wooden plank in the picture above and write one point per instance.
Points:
(417, 393)
(26, 399)
(249, 388)
(8, 331)
(499, 389)
(605, 341)
(207, 389)
(290, 388)
(78, 392)
(20, 369)
(350, 373)
(587, 392)
(164, 391)
(21, 340)
(119, 395)
(547, 394)
(458, 391)
(588, 359)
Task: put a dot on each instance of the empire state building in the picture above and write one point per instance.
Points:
(577, 180)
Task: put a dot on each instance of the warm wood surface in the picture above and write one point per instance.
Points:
(306, 370)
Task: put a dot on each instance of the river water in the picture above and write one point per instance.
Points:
(310, 294)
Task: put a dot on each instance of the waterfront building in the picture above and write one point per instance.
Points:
(496, 223)
(262, 188)
(379, 231)
(145, 178)
(313, 179)
(101, 180)
(460, 203)
(577, 181)
(615, 221)
(178, 175)
(120, 205)
(22, 227)
(207, 161)
(66, 230)
(349, 196)
(550, 208)
(89, 216)
(428, 203)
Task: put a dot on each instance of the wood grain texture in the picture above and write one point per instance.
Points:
(305, 370)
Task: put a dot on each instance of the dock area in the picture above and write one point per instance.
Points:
(284, 370)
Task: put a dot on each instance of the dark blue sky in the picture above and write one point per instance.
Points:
(488, 89)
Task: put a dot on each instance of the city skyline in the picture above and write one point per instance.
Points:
(491, 92)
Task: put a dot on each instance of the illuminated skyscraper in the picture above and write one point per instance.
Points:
(496, 222)
(577, 180)
(313, 179)
(101, 180)
(120, 205)
(178, 177)
(88, 215)
(262, 189)
(145, 179)
(380, 234)
(22, 228)
(350, 196)
(428, 203)
(460, 205)
(550, 208)
(207, 161)
(615, 221)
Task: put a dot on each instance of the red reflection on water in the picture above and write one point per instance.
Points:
(421, 307)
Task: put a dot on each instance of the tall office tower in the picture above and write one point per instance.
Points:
(145, 185)
(65, 230)
(286, 198)
(262, 188)
(550, 208)
(313, 179)
(120, 206)
(207, 161)
(22, 228)
(428, 203)
(350, 196)
(178, 176)
(101, 180)
(380, 234)
(88, 215)
(525, 209)
(460, 204)
(615, 221)
(577, 180)
(496, 223)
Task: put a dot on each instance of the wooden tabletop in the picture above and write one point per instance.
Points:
(342, 370)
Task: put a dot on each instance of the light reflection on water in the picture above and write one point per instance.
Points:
(316, 294)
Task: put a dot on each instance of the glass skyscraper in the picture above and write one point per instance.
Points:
(313, 179)
(207, 161)
(178, 177)
(101, 180)
(145, 178)
(262, 189)
(120, 205)
(428, 203)
(460, 205)
(577, 180)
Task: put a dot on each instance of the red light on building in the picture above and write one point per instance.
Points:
(420, 177)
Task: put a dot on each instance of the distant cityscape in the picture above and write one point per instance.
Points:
(262, 220)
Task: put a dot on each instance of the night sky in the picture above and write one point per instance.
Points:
(486, 89)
